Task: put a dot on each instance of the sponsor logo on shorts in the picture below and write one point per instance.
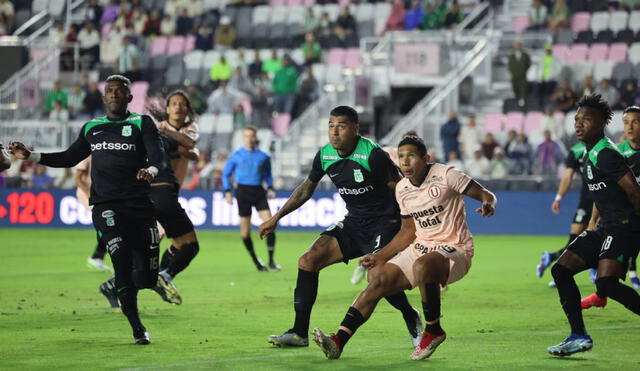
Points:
(113, 146)
(424, 249)
(355, 191)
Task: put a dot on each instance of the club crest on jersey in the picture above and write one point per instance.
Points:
(434, 192)
(357, 176)
(589, 172)
(126, 131)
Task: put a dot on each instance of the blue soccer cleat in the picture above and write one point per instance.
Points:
(635, 282)
(573, 344)
(593, 274)
(545, 262)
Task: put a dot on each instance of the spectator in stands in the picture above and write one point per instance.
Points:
(395, 22)
(537, 15)
(128, 60)
(59, 113)
(239, 81)
(168, 25)
(93, 101)
(433, 18)
(40, 178)
(153, 25)
(449, 133)
(308, 92)
(196, 98)
(285, 84)
(560, 17)
(57, 94)
(4, 27)
(57, 34)
(239, 118)
(454, 160)
(221, 70)
(323, 30)
(223, 100)
(549, 155)
(255, 67)
(551, 123)
(608, 92)
(628, 96)
(489, 145)
(89, 43)
(184, 23)
(194, 7)
(139, 19)
(499, 166)
(110, 12)
(549, 67)
(94, 12)
(311, 50)
(76, 97)
(260, 107)
(273, 64)
(242, 62)
(470, 138)
(346, 21)
(310, 22)
(630, 4)
(265, 82)
(414, 17)
(453, 16)
(587, 86)
(564, 98)
(110, 46)
(204, 37)
(7, 13)
(511, 142)
(225, 33)
(123, 20)
(172, 7)
(340, 39)
(478, 166)
(520, 156)
(68, 55)
(519, 63)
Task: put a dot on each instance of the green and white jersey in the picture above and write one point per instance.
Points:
(361, 178)
(633, 158)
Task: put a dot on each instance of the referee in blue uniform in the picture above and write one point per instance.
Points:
(251, 167)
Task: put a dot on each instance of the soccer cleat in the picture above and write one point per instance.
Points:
(328, 343)
(593, 274)
(593, 300)
(260, 265)
(288, 339)
(142, 339)
(428, 345)
(108, 291)
(635, 282)
(167, 290)
(552, 284)
(98, 264)
(573, 344)
(274, 266)
(358, 274)
(415, 328)
(545, 262)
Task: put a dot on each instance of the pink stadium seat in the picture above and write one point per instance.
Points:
(308, 2)
(561, 51)
(158, 45)
(175, 45)
(336, 56)
(29, 94)
(352, 59)
(532, 122)
(514, 121)
(189, 44)
(280, 124)
(493, 123)
(580, 22)
(520, 24)
(598, 52)
(297, 3)
(139, 91)
(578, 53)
(246, 106)
(106, 28)
(618, 52)
(344, 2)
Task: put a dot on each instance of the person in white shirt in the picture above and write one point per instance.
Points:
(453, 160)
(58, 113)
(194, 8)
(478, 167)
(89, 42)
(171, 7)
(128, 59)
(551, 123)
(224, 99)
(470, 138)
(168, 25)
(57, 35)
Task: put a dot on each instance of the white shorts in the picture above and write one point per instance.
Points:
(459, 259)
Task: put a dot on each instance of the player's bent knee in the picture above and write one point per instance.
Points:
(560, 273)
(430, 268)
(605, 285)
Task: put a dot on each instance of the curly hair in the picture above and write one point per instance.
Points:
(596, 102)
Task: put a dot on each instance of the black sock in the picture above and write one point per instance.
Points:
(100, 250)
(623, 294)
(182, 258)
(632, 264)
(129, 304)
(167, 256)
(401, 303)
(303, 299)
(271, 246)
(352, 320)
(569, 297)
(248, 244)
(431, 308)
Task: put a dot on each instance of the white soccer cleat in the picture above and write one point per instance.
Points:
(358, 274)
(98, 264)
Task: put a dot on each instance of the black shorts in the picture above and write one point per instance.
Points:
(169, 212)
(358, 237)
(249, 196)
(583, 212)
(129, 232)
(615, 242)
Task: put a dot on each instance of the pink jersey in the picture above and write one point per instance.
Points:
(437, 206)
(181, 164)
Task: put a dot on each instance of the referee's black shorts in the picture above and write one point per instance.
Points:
(169, 212)
(249, 196)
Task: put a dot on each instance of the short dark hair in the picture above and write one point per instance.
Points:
(410, 133)
(633, 109)
(347, 111)
(596, 102)
(121, 79)
(415, 141)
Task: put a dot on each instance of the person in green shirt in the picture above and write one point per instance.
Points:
(311, 50)
(221, 70)
(433, 17)
(285, 85)
(273, 64)
(57, 94)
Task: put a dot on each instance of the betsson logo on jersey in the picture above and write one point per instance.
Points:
(113, 146)
(355, 191)
(597, 186)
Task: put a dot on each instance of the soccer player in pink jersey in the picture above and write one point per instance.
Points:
(433, 248)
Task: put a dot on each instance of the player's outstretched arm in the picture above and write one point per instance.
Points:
(300, 195)
(78, 151)
(630, 186)
(405, 236)
(488, 199)
(563, 188)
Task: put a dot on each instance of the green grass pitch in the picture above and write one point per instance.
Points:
(500, 316)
